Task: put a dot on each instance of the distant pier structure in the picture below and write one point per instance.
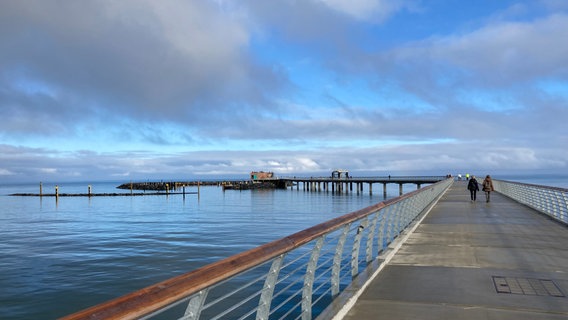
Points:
(340, 181)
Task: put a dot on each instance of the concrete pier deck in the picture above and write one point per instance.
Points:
(474, 260)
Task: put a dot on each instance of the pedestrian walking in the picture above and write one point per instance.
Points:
(473, 187)
(487, 187)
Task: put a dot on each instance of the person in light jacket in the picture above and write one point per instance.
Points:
(473, 187)
(487, 187)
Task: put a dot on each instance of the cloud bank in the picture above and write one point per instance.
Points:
(144, 89)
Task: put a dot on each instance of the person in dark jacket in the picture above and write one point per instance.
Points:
(473, 187)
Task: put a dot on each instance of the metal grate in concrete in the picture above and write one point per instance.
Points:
(527, 286)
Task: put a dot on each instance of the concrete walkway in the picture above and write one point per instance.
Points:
(474, 260)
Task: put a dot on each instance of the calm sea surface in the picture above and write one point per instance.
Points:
(58, 257)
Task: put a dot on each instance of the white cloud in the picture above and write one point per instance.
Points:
(501, 54)
(6, 172)
(377, 10)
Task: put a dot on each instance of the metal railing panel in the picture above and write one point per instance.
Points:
(295, 277)
(268, 290)
(550, 201)
(309, 280)
(335, 273)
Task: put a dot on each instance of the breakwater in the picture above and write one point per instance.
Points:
(251, 185)
(225, 184)
(169, 185)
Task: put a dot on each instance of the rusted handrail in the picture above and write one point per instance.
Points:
(144, 302)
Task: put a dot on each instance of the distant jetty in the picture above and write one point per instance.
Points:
(159, 188)
(340, 181)
(253, 185)
(169, 185)
(225, 184)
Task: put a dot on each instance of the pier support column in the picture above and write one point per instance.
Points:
(385, 189)
(370, 188)
(400, 189)
(418, 185)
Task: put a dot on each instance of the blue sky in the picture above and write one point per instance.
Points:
(136, 90)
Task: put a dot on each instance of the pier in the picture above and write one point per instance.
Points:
(497, 260)
(336, 184)
(347, 184)
(428, 254)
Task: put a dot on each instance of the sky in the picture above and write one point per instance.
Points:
(128, 90)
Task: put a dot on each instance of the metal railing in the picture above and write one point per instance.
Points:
(296, 277)
(548, 200)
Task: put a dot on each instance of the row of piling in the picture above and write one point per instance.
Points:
(345, 186)
(57, 194)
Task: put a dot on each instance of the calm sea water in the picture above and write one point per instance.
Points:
(58, 257)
